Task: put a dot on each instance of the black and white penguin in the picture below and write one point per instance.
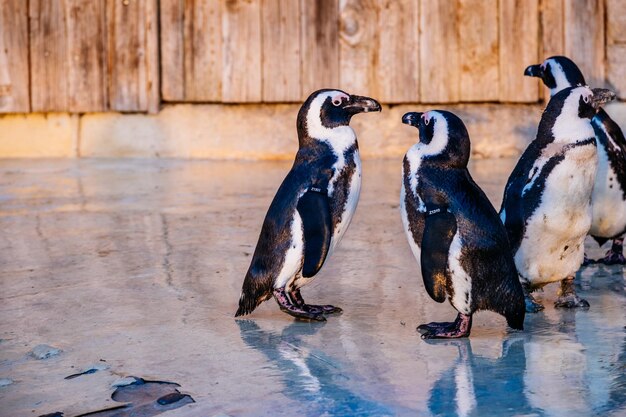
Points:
(547, 200)
(608, 198)
(453, 230)
(312, 208)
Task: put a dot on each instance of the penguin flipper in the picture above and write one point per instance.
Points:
(314, 210)
(439, 230)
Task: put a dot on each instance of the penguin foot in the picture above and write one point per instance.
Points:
(614, 256)
(571, 301)
(532, 305)
(285, 304)
(568, 297)
(437, 330)
(297, 299)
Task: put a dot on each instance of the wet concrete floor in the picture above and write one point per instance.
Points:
(138, 264)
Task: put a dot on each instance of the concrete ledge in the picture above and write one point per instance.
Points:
(52, 135)
(267, 132)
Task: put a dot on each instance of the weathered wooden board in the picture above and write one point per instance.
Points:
(133, 55)
(478, 50)
(397, 67)
(552, 41)
(439, 52)
(320, 45)
(584, 38)
(616, 21)
(358, 47)
(616, 71)
(49, 60)
(14, 83)
(172, 56)
(87, 75)
(519, 47)
(281, 50)
(241, 37)
(616, 46)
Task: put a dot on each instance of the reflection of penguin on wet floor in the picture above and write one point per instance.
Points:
(307, 378)
(477, 386)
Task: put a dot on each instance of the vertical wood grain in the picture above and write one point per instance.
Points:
(519, 47)
(14, 79)
(172, 57)
(281, 50)
(241, 36)
(133, 55)
(397, 69)
(478, 50)
(584, 38)
(358, 46)
(48, 55)
(616, 46)
(552, 28)
(320, 45)
(203, 50)
(439, 52)
(87, 75)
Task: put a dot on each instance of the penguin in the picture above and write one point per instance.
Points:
(312, 208)
(546, 208)
(453, 230)
(608, 198)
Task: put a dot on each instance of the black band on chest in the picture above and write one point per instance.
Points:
(433, 209)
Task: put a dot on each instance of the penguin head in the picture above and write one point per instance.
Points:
(442, 136)
(567, 115)
(582, 102)
(326, 110)
(557, 73)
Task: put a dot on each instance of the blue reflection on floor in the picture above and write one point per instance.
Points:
(308, 378)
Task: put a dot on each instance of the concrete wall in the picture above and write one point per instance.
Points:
(219, 131)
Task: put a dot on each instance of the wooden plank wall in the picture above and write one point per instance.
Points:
(134, 55)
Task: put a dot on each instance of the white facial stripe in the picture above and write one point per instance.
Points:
(559, 76)
(340, 98)
(343, 136)
(440, 135)
(568, 126)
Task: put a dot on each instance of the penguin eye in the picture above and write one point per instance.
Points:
(337, 102)
(426, 121)
(586, 99)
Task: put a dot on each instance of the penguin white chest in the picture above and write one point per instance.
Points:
(553, 244)
(352, 199)
(609, 207)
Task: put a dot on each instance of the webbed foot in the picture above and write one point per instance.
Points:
(461, 327)
(297, 299)
(568, 297)
(615, 255)
(287, 306)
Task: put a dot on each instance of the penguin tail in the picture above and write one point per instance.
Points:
(515, 309)
(247, 305)
(516, 320)
(601, 240)
(252, 294)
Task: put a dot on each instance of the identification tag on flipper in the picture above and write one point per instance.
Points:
(314, 209)
(439, 230)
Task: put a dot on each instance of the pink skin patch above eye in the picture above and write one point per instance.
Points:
(339, 98)
(426, 118)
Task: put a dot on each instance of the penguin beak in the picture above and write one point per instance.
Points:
(412, 118)
(601, 96)
(361, 104)
(533, 71)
